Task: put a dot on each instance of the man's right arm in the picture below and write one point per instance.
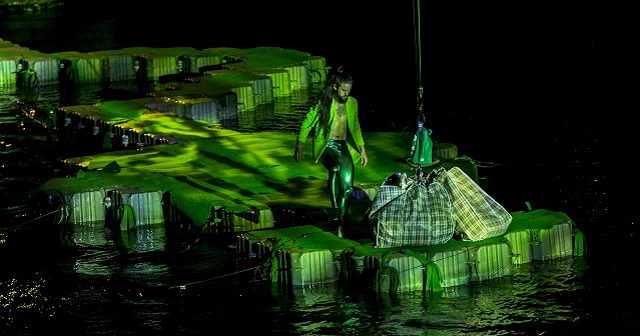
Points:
(305, 128)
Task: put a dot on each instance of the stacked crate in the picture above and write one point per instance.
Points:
(520, 246)
(87, 206)
(296, 254)
(453, 266)
(82, 69)
(117, 68)
(316, 69)
(457, 266)
(554, 243)
(549, 236)
(151, 67)
(37, 70)
(395, 272)
(302, 267)
(8, 68)
(298, 76)
(280, 81)
(146, 205)
(489, 261)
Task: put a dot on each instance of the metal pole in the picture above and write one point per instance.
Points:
(418, 51)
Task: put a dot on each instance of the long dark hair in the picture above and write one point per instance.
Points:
(325, 97)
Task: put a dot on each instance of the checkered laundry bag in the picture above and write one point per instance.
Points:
(477, 215)
(418, 213)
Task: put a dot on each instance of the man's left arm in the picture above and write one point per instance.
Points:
(364, 159)
(356, 131)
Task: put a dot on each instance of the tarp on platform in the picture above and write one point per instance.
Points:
(305, 236)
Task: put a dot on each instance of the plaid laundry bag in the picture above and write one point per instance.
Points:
(414, 213)
(477, 215)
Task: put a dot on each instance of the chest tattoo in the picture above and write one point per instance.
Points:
(341, 110)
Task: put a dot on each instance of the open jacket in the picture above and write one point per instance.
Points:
(320, 140)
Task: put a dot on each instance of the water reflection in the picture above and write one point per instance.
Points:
(103, 250)
(533, 301)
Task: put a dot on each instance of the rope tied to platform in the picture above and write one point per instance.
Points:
(432, 274)
(128, 220)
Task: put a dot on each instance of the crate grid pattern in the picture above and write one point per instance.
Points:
(89, 70)
(553, 243)
(246, 99)
(8, 68)
(490, 261)
(316, 69)
(281, 83)
(147, 206)
(263, 90)
(299, 78)
(87, 206)
(520, 246)
(118, 68)
(249, 246)
(159, 65)
(46, 69)
(306, 267)
(206, 110)
(410, 273)
(453, 266)
(198, 62)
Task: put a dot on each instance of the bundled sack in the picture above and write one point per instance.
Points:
(477, 215)
(411, 212)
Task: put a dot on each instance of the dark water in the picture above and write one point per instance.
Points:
(532, 96)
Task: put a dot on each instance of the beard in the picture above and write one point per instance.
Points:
(342, 99)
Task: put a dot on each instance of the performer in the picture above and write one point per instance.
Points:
(337, 139)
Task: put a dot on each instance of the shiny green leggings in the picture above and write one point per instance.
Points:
(337, 160)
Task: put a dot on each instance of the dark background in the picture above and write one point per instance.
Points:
(502, 62)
